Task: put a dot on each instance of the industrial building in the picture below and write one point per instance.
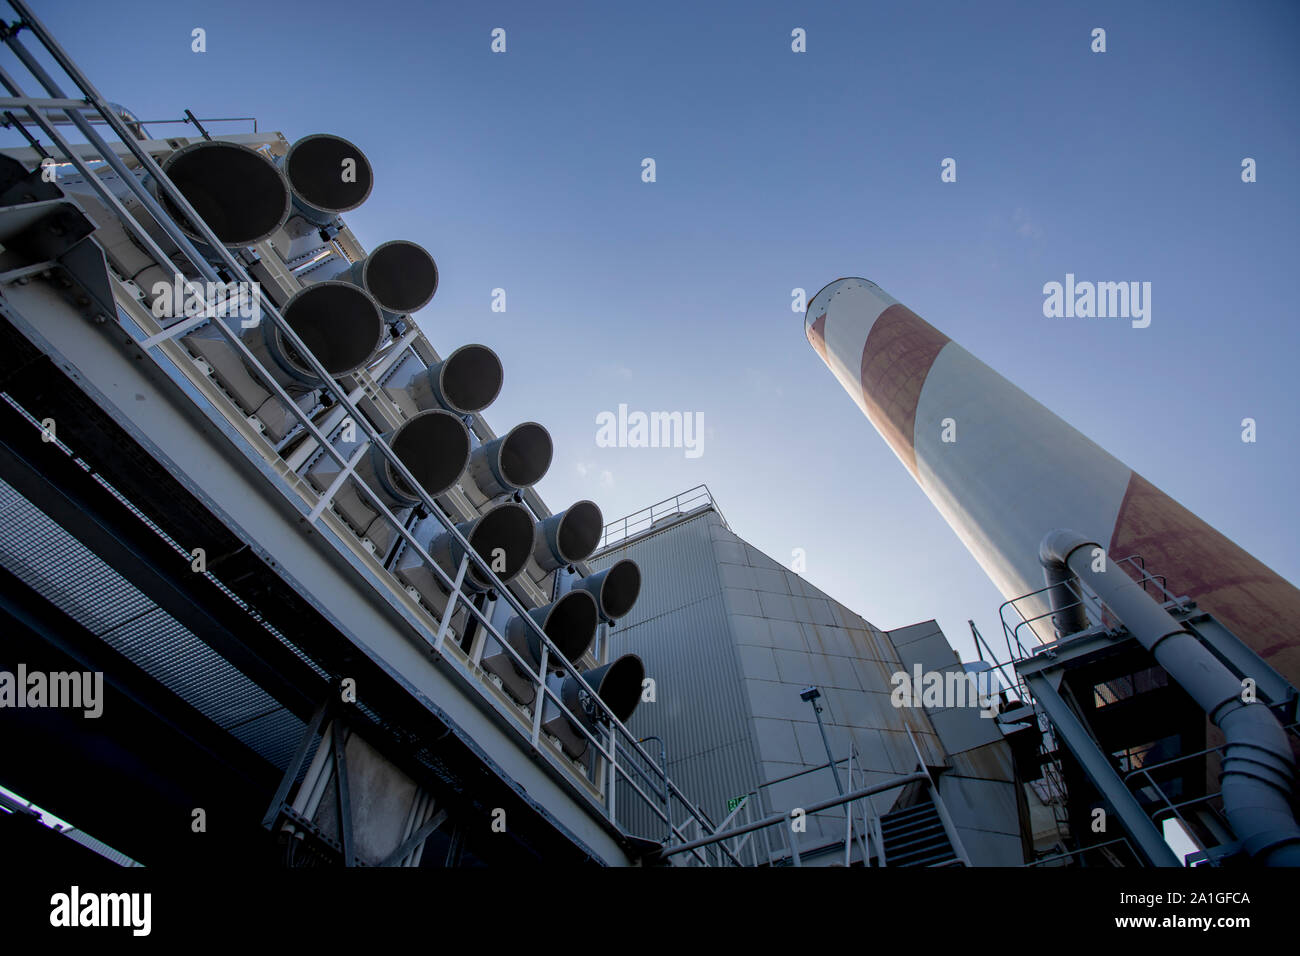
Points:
(735, 641)
(336, 625)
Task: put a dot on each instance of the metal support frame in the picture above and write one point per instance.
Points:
(1149, 842)
(1147, 773)
(663, 765)
(328, 496)
(342, 791)
(89, 512)
(848, 818)
(236, 268)
(309, 735)
(1009, 681)
(445, 624)
(415, 839)
(539, 702)
(789, 814)
(1039, 674)
(75, 111)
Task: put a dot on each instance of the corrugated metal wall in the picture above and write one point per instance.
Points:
(680, 629)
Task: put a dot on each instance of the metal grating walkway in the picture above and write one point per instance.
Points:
(73, 579)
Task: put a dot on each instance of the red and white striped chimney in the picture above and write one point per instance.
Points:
(1016, 471)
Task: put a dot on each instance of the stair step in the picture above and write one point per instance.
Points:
(915, 836)
(939, 858)
(911, 839)
(907, 812)
(920, 848)
(919, 820)
(911, 833)
(913, 846)
(897, 834)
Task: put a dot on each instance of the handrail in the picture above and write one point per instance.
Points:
(633, 524)
(37, 109)
(789, 814)
(949, 827)
(981, 645)
(1085, 599)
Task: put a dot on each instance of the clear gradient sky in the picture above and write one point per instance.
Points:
(778, 170)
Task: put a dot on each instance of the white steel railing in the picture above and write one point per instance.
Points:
(612, 738)
(638, 521)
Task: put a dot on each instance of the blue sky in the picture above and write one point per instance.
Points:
(778, 170)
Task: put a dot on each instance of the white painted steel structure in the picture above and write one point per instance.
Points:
(136, 369)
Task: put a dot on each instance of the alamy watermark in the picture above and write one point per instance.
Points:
(128, 910)
(1102, 300)
(186, 298)
(651, 430)
(952, 688)
(74, 690)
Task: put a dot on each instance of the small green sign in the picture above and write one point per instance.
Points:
(733, 803)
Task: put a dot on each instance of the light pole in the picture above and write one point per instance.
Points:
(811, 694)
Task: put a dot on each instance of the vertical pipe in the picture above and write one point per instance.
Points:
(1258, 769)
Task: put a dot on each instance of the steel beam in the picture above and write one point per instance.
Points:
(52, 481)
(1148, 841)
(168, 422)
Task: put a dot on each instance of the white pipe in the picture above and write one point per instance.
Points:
(1258, 768)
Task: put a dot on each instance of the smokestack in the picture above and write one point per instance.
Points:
(569, 537)
(516, 460)
(239, 193)
(340, 323)
(468, 380)
(400, 275)
(1017, 471)
(328, 176)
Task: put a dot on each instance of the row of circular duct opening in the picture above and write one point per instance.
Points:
(245, 198)
(435, 444)
(504, 537)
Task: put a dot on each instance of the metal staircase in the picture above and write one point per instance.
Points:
(915, 836)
